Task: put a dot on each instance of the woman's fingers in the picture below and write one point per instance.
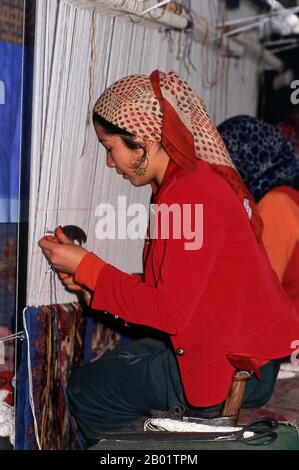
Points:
(68, 282)
(62, 237)
(64, 257)
(63, 276)
(74, 287)
(86, 296)
(46, 244)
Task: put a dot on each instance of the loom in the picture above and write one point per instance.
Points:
(71, 70)
(82, 46)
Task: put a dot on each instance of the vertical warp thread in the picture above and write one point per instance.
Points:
(91, 84)
(31, 399)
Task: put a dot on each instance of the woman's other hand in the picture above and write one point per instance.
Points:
(68, 281)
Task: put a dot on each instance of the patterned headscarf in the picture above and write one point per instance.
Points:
(263, 157)
(163, 108)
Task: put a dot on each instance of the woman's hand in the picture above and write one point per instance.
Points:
(65, 256)
(68, 281)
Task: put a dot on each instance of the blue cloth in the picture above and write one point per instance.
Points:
(10, 125)
(16, 81)
(260, 153)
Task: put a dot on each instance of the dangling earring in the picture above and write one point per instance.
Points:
(138, 170)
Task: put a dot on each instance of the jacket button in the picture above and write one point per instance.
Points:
(180, 352)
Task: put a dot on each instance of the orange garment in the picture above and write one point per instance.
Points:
(280, 215)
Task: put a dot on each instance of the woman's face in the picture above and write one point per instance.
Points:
(120, 157)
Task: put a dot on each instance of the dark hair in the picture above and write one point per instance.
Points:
(109, 128)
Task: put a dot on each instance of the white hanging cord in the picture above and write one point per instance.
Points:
(257, 24)
(277, 16)
(286, 48)
(91, 85)
(53, 288)
(19, 335)
(281, 42)
(276, 13)
(31, 399)
(159, 4)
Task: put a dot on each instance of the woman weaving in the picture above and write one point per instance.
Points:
(215, 306)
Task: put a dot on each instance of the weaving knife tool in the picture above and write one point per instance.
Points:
(73, 232)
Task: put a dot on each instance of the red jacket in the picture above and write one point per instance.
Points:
(223, 298)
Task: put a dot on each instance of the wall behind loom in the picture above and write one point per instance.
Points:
(77, 55)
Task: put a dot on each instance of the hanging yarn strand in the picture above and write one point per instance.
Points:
(20, 335)
(29, 369)
(91, 85)
(189, 42)
(158, 5)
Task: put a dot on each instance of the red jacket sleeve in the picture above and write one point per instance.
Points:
(169, 305)
(88, 271)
